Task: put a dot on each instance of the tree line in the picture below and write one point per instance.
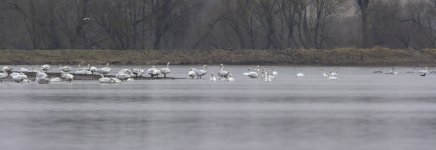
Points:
(216, 24)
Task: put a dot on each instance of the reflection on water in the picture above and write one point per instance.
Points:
(361, 111)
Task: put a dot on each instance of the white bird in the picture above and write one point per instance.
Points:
(23, 70)
(192, 73)
(273, 72)
(222, 73)
(212, 78)
(230, 78)
(103, 79)
(267, 77)
(65, 68)
(55, 79)
(425, 71)
(299, 74)
(154, 72)
(166, 70)
(69, 77)
(251, 74)
(324, 73)
(45, 67)
(137, 72)
(7, 69)
(124, 74)
(42, 78)
(105, 70)
(19, 77)
(3, 75)
(93, 69)
(201, 73)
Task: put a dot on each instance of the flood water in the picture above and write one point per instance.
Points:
(360, 111)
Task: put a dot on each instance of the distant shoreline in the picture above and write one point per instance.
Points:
(337, 57)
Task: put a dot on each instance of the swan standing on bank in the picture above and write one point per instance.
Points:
(45, 68)
(192, 73)
(42, 78)
(105, 70)
(201, 73)
(222, 73)
(166, 70)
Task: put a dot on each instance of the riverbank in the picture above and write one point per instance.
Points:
(340, 56)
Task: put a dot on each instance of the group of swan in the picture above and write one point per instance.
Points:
(199, 73)
(156, 72)
(395, 71)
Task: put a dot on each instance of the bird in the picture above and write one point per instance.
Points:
(299, 74)
(105, 70)
(273, 72)
(212, 78)
(55, 79)
(137, 72)
(251, 74)
(201, 73)
(19, 77)
(7, 69)
(3, 75)
(23, 70)
(45, 68)
(69, 77)
(93, 69)
(103, 79)
(166, 70)
(124, 74)
(154, 72)
(42, 78)
(64, 68)
(425, 71)
(222, 73)
(192, 73)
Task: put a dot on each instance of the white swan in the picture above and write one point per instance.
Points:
(23, 70)
(166, 70)
(251, 74)
(137, 72)
(69, 77)
(273, 72)
(45, 67)
(154, 72)
(212, 78)
(19, 77)
(93, 69)
(103, 79)
(192, 73)
(55, 79)
(222, 73)
(201, 73)
(124, 74)
(42, 78)
(425, 71)
(3, 75)
(230, 78)
(65, 68)
(105, 70)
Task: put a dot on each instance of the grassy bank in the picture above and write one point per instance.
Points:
(341, 56)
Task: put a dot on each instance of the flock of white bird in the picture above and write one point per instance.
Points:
(154, 72)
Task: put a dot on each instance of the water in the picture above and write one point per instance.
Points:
(360, 111)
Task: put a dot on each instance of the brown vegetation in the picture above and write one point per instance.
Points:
(341, 56)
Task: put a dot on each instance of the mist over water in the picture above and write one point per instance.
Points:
(360, 111)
